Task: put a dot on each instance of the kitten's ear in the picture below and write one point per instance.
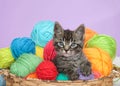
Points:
(58, 30)
(80, 31)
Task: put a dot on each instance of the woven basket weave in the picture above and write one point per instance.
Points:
(12, 80)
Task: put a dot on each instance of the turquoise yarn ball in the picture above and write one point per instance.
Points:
(22, 45)
(42, 32)
(25, 65)
(62, 77)
(2, 81)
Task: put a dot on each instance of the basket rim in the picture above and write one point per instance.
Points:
(69, 81)
(6, 72)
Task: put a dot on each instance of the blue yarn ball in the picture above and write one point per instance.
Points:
(42, 32)
(2, 81)
(22, 45)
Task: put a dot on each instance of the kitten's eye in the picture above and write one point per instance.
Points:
(73, 45)
(60, 44)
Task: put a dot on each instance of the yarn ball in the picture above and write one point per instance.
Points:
(116, 61)
(62, 77)
(32, 75)
(100, 60)
(2, 81)
(89, 33)
(39, 51)
(25, 64)
(106, 43)
(42, 32)
(96, 75)
(82, 77)
(22, 45)
(47, 71)
(6, 58)
(49, 51)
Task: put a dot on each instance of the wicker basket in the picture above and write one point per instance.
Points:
(12, 80)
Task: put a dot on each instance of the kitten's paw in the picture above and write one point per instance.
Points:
(74, 76)
(85, 68)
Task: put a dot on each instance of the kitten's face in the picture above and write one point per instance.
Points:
(66, 42)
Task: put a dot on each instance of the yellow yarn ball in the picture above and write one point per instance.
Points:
(39, 51)
(6, 58)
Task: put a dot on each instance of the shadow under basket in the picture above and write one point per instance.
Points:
(12, 80)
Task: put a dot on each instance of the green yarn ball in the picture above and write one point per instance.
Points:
(105, 42)
(62, 77)
(25, 65)
(6, 58)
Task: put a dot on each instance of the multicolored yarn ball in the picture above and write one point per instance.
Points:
(25, 65)
(89, 33)
(47, 71)
(32, 75)
(49, 51)
(39, 51)
(22, 45)
(100, 60)
(2, 81)
(6, 58)
(42, 32)
(62, 77)
(105, 42)
(82, 77)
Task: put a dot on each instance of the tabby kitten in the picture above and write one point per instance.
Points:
(70, 57)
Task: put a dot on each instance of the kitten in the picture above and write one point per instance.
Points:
(70, 57)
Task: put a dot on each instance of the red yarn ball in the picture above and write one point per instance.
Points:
(46, 70)
(49, 51)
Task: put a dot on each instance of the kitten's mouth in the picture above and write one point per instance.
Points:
(66, 54)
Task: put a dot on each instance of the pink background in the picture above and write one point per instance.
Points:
(17, 17)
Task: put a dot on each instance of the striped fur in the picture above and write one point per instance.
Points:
(70, 57)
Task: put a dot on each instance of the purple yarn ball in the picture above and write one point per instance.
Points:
(82, 77)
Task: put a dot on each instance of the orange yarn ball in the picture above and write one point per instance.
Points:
(32, 75)
(100, 60)
(89, 34)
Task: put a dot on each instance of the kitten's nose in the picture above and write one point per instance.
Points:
(66, 50)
